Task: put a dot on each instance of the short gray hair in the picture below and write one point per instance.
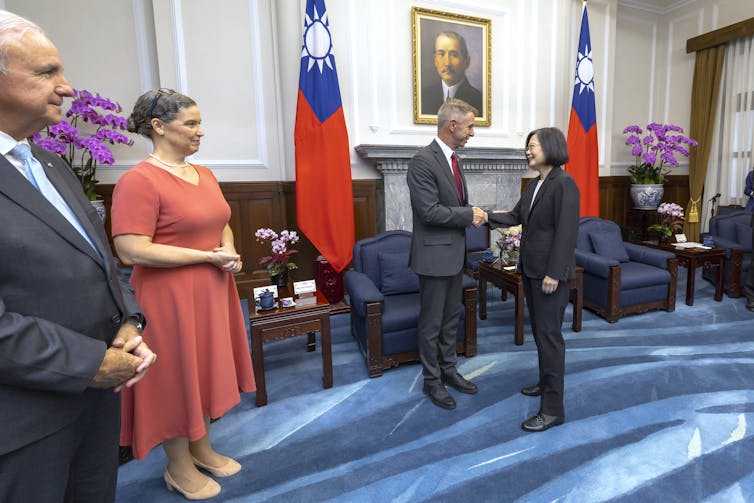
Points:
(452, 109)
(12, 28)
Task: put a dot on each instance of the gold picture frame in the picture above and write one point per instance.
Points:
(430, 27)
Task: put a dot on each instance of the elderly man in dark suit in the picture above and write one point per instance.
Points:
(549, 214)
(452, 59)
(438, 246)
(69, 329)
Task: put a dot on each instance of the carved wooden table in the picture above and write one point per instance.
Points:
(693, 258)
(512, 281)
(308, 316)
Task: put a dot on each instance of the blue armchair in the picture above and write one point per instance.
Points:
(384, 297)
(731, 231)
(621, 278)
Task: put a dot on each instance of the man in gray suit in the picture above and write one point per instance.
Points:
(438, 247)
(69, 329)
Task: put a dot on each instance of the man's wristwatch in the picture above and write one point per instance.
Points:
(138, 321)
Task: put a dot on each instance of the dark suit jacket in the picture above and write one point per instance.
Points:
(438, 241)
(432, 97)
(61, 304)
(549, 229)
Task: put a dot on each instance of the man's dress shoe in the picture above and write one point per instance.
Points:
(439, 396)
(458, 382)
(541, 422)
(535, 390)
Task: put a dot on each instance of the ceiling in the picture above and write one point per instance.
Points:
(656, 6)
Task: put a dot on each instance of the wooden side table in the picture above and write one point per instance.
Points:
(692, 259)
(308, 316)
(513, 282)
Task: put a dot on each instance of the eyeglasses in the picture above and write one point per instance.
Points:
(160, 92)
(531, 146)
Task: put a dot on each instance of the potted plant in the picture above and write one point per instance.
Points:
(655, 155)
(279, 263)
(509, 243)
(671, 216)
(83, 150)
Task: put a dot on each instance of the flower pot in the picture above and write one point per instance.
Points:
(280, 280)
(509, 257)
(99, 205)
(647, 196)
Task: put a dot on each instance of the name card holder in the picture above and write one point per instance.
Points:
(304, 288)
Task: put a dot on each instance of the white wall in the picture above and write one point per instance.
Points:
(653, 72)
(240, 60)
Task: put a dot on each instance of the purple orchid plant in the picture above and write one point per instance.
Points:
(281, 249)
(82, 151)
(672, 219)
(654, 150)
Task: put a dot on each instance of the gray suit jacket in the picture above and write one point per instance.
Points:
(548, 236)
(61, 304)
(438, 241)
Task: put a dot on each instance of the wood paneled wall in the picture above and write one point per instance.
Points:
(615, 195)
(273, 204)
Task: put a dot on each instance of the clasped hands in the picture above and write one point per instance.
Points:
(126, 362)
(226, 258)
(479, 216)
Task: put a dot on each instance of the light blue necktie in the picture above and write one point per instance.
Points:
(36, 175)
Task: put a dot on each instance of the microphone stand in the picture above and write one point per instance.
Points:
(714, 205)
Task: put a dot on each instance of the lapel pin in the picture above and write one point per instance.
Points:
(49, 164)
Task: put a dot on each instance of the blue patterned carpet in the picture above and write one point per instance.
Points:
(657, 410)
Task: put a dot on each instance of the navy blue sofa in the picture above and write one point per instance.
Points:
(620, 277)
(731, 231)
(383, 293)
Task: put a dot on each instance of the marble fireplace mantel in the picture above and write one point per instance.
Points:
(493, 176)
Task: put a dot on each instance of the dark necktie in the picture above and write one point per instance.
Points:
(457, 175)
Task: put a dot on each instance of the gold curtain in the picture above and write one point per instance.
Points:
(704, 92)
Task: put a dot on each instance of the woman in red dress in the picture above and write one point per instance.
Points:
(170, 222)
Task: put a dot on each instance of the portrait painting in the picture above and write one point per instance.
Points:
(451, 55)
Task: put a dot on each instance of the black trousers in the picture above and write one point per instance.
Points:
(439, 312)
(76, 464)
(546, 313)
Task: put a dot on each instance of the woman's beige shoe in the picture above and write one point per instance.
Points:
(210, 489)
(231, 467)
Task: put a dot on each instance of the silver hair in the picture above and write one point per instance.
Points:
(12, 28)
(452, 109)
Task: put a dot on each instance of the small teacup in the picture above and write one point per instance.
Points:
(488, 255)
(287, 302)
(708, 241)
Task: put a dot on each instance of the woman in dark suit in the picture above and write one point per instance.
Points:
(549, 214)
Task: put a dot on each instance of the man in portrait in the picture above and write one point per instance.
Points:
(451, 57)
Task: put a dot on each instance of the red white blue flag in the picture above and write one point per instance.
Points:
(324, 197)
(582, 127)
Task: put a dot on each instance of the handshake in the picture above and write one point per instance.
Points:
(479, 216)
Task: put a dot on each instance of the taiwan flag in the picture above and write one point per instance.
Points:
(324, 197)
(582, 127)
